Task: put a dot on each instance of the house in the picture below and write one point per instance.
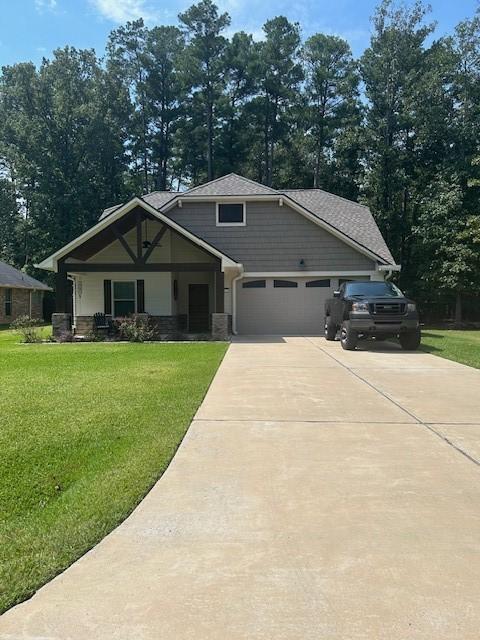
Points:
(20, 295)
(231, 254)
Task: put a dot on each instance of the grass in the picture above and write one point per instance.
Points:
(86, 430)
(462, 345)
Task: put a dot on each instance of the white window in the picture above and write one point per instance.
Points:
(231, 214)
(124, 300)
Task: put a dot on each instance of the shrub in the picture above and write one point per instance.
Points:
(65, 336)
(135, 329)
(94, 336)
(28, 328)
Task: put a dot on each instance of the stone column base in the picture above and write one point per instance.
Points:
(220, 326)
(61, 324)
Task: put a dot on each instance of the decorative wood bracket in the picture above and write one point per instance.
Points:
(124, 244)
(154, 243)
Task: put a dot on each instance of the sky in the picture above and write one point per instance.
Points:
(32, 29)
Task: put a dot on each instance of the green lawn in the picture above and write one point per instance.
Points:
(85, 431)
(461, 346)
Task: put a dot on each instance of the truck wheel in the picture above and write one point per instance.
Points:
(410, 341)
(348, 337)
(330, 329)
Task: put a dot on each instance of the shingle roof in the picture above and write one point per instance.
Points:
(11, 277)
(107, 212)
(352, 219)
(156, 198)
(159, 198)
(230, 185)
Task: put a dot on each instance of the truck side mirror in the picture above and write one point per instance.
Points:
(336, 294)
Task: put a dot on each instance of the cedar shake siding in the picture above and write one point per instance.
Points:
(274, 238)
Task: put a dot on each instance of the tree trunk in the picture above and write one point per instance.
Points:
(458, 309)
(210, 140)
(266, 153)
(316, 174)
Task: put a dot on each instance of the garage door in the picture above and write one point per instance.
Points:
(282, 306)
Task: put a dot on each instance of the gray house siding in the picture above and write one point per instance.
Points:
(274, 239)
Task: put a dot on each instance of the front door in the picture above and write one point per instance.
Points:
(198, 308)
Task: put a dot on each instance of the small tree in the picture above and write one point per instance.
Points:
(450, 243)
(28, 328)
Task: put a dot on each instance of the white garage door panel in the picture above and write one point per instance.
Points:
(281, 311)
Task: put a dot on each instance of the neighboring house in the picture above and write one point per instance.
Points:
(20, 295)
(229, 253)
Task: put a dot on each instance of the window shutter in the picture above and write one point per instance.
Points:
(140, 296)
(107, 297)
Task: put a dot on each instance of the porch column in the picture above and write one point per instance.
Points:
(61, 320)
(61, 290)
(219, 279)
(220, 329)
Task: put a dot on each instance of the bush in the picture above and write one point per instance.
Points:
(28, 328)
(135, 329)
(94, 336)
(65, 336)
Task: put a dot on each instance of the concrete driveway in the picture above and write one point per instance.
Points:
(319, 494)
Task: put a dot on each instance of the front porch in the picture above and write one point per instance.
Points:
(140, 265)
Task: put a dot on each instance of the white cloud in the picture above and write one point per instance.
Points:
(45, 5)
(123, 10)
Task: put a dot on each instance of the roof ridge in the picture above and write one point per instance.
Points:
(160, 191)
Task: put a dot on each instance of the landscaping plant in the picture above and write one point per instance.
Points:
(28, 328)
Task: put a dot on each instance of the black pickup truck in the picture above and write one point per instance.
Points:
(371, 309)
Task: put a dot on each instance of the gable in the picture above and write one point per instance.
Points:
(352, 219)
(120, 222)
(230, 185)
(275, 238)
(172, 248)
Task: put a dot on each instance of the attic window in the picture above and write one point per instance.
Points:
(231, 214)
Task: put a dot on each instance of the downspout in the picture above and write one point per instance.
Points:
(234, 301)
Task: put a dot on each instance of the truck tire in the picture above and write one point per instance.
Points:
(330, 329)
(348, 337)
(410, 341)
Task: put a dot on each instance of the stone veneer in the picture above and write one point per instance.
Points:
(221, 323)
(20, 305)
(61, 324)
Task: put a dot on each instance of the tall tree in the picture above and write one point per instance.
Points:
(332, 95)
(204, 62)
(466, 114)
(280, 75)
(11, 225)
(392, 68)
(127, 62)
(166, 93)
(241, 79)
(63, 139)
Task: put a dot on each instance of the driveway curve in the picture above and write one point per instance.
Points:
(318, 494)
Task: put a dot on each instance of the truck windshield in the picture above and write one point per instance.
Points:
(373, 290)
